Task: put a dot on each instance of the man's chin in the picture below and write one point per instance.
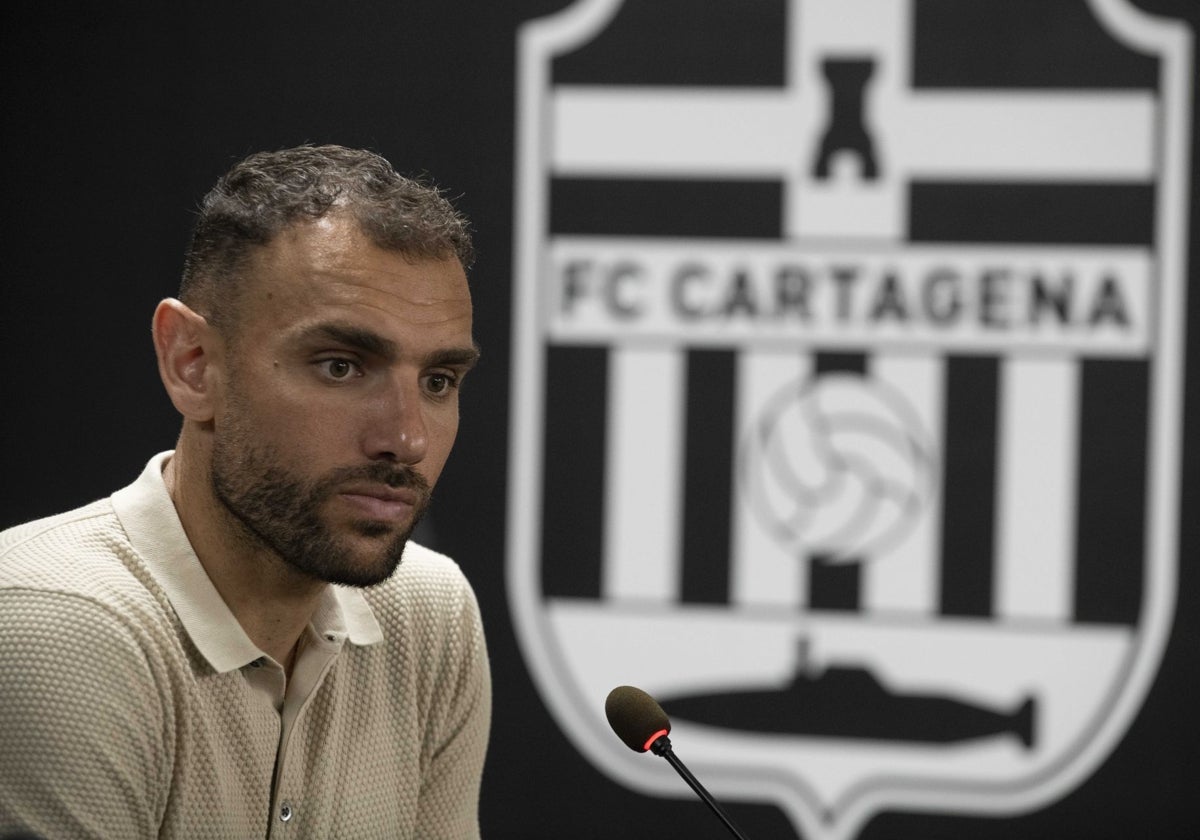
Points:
(359, 574)
(376, 530)
(361, 559)
(360, 578)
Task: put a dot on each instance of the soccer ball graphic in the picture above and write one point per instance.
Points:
(838, 465)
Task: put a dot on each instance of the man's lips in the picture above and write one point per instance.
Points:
(380, 501)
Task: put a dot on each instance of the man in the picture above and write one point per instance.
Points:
(243, 643)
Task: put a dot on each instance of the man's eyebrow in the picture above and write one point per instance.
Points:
(462, 357)
(356, 338)
(374, 344)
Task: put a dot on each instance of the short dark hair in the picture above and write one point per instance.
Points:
(268, 192)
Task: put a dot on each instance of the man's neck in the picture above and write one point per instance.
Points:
(272, 601)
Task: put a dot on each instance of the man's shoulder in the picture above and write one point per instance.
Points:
(82, 530)
(82, 552)
(37, 528)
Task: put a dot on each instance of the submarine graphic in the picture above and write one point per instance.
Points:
(849, 702)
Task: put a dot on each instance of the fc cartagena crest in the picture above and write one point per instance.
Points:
(848, 354)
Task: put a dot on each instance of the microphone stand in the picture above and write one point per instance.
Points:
(662, 747)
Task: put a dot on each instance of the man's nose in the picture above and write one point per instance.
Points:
(397, 430)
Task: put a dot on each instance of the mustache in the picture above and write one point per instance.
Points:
(394, 476)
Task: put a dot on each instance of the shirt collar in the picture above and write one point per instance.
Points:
(148, 516)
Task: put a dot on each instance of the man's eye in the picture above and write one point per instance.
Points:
(439, 383)
(338, 368)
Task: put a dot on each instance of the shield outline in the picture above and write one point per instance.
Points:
(581, 717)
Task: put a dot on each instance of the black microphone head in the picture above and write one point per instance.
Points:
(636, 717)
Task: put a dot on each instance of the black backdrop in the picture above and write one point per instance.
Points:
(117, 117)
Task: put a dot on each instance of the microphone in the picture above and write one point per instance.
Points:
(642, 724)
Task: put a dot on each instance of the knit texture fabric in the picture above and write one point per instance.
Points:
(114, 725)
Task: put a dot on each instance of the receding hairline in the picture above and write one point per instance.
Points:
(268, 195)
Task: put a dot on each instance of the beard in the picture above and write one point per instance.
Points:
(281, 511)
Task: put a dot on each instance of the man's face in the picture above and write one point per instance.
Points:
(339, 403)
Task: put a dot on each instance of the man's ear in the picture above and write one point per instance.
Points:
(184, 343)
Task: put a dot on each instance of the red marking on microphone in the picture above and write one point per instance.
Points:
(654, 738)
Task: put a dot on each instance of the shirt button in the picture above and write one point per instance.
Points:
(285, 812)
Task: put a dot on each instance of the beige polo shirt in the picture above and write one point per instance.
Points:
(132, 703)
